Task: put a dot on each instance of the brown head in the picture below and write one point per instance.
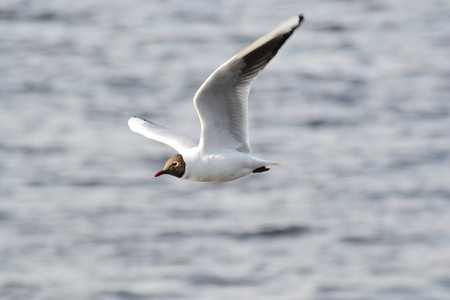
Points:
(175, 166)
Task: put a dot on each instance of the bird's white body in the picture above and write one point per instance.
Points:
(222, 151)
(220, 166)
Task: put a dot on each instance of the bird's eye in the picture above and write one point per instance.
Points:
(175, 163)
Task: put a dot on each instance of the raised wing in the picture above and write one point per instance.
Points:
(221, 101)
(178, 140)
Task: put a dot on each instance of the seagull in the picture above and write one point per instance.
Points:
(222, 152)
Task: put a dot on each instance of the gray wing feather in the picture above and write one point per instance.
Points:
(221, 101)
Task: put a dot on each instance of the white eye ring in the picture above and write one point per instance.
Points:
(175, 163)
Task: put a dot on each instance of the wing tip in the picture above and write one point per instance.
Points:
(133, 122)
(299, 19)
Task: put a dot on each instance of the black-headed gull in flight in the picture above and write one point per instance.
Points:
(222, 154)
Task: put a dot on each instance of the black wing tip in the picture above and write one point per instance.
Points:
(300, 19)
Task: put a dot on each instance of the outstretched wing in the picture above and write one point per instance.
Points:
(178, 140)
(221, 101)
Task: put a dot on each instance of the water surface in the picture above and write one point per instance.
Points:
(356, 102)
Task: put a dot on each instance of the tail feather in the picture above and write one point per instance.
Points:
(274, 163)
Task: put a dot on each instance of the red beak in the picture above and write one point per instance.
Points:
(160, 173)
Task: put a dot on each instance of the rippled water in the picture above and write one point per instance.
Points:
(357, 102)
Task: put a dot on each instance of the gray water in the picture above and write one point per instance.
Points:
(356, 102)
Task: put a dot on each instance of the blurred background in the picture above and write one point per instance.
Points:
(357, 103)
